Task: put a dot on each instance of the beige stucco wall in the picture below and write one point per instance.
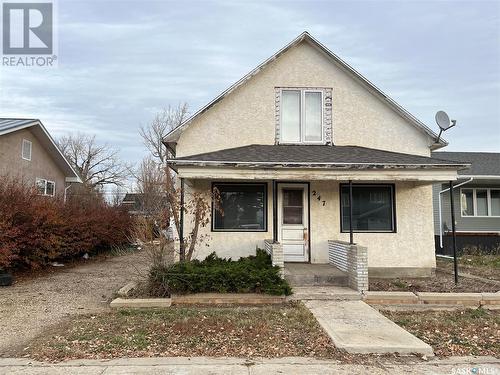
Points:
(247, 115)
(412, 246)
(41, 164)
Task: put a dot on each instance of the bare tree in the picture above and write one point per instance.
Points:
(150, 179)
(163, 122)
(197, 206)
(117, 195)
(97, 164)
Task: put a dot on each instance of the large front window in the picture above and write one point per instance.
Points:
(240, 207)
(480, 202)
(301, 116)
(372, 206)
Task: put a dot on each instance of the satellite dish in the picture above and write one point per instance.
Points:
(443, 120)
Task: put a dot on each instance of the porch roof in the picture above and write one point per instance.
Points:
(314, 156)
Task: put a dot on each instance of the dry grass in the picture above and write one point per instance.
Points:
(271, 331)
(454, 333)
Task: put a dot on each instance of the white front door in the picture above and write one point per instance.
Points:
(293, 232)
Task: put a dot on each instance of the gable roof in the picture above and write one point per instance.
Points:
(313, 156)
(305, 36)
(483, 164)
(10, 125)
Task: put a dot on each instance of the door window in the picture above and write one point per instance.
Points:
(293, 206)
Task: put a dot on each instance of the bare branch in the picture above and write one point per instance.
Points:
(97, 165)
(164, 122)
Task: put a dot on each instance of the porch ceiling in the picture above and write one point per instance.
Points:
(311, 174)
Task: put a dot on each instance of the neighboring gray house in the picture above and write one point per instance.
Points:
(477, 203)
(134, 203)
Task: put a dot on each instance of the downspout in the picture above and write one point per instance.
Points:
(351, 231)
(66, 191)
(439, 209)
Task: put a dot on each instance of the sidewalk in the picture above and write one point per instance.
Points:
(237, 366)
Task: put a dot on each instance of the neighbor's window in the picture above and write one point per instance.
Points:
(480, 202)
(242, 207)
(26, 149)
(45, 187)
(373, 208)
(301, 116)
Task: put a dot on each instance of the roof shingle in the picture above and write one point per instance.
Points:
(482, 163)
(311, 155)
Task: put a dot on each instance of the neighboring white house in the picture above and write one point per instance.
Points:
(281, 145)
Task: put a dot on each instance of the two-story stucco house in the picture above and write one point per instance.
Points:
(29, 154)
(281, 146)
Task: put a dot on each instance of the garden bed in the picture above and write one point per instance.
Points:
(486, 266)
(454, 333)
(440, 282)
(271, 331)
(252, 274)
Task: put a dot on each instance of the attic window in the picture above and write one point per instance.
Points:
(302, 116)
(26, 150)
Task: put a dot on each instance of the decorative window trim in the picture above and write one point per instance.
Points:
(45, 182)
(212, 215)
(474, 200)
(393, 208)
(30, 145)
(326, 109)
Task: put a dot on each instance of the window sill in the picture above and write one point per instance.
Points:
(370, 231)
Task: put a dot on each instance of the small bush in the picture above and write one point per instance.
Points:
(35, 230)
(253, 274)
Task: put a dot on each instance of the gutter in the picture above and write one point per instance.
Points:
(440, 213)
(340, 165)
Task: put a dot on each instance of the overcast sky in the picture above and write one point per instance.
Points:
(122, 61)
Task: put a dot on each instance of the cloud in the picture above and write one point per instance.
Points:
(120, 62)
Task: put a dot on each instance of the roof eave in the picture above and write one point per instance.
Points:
(291, 165)
(36, 122)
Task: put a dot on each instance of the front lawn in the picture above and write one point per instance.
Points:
(271, 331)
(454, 333)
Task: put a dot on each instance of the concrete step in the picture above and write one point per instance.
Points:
(316, 280)
(324, 293)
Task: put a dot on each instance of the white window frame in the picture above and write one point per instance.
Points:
(27, 142)
(303, 92)
(45, 182)
(474, 201)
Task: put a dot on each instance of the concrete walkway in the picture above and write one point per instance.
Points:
(237, 366)
(358, 328)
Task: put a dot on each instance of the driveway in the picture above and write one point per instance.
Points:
(31, 306)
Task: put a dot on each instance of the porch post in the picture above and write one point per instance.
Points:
(182, 251)
(275, 212)
(351, 236)
(453, 229)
